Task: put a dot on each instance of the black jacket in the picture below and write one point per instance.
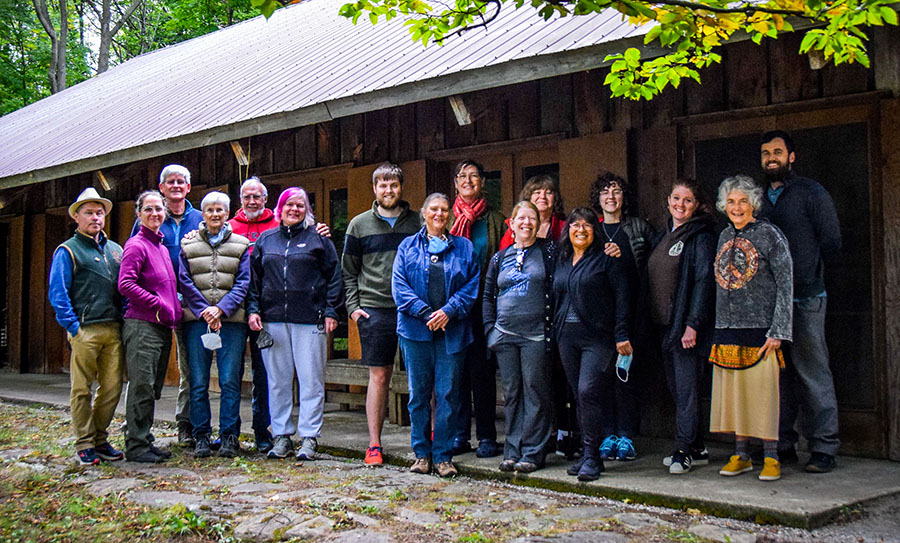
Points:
(600, 290)
(489, 307)
(295, 277)
(694, 299)
(805, 213)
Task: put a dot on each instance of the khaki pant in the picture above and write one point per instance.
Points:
(97, 355)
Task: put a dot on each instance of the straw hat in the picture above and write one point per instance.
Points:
(90, 194)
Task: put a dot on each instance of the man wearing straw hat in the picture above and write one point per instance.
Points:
(84, 295)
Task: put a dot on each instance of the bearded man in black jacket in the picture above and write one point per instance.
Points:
(804, 211)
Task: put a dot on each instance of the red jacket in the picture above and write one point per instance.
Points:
(557, 225)
(251, 229)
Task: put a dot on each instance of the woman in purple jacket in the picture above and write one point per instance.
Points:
(147, 280)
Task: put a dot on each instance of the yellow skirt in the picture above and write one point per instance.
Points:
(745, 402)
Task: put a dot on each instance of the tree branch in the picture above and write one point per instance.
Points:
(118, 26)
(40, 6)
(742, 8)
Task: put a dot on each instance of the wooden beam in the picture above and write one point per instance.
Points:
(15, 289)
(501, 147)
(890, 197)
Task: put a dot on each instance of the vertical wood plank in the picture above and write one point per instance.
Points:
(522, 101)
(15, 290)
(845, 79)
(37, 280)
(351, 138)
(625, 114)
(429, 127)
(886, 58)
(890, 183)
(591, 102)
(556, 103)
(305, 147)
(328, 144)
(661, 110)
(581, 159)
(791, 77)
(654, 168)
(746, 75)
(58, 229)
(282, 144)
(402, 128)
(377, 136)
(709, 94)
(491, 126)
(454, 134)
(207, 163)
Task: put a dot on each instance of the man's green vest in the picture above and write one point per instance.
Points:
(214, 269)
(94, 292)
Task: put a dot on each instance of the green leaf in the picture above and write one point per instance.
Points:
(889, 15)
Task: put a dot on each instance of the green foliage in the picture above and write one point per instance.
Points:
(688, 31)
(25, 55)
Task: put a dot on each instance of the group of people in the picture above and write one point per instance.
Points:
(564, 305)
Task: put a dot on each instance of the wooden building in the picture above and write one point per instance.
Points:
(535, 113)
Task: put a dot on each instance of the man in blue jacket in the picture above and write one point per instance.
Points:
(181, 218)
(83, 292)
(804, 211)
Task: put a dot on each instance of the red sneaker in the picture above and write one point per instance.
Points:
(373, 456)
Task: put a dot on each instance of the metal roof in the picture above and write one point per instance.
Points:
(305, 64)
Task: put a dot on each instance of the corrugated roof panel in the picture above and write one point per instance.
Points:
(304, 55)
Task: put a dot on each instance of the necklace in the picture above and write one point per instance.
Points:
(614, 233)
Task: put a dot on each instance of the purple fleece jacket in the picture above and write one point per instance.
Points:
(147, 280)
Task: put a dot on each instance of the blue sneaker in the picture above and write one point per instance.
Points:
(608, 448)
(625, 450)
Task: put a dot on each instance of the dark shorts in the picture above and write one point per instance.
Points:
(378, 336)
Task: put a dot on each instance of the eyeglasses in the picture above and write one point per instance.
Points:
(579, 226)
(471, 177)
(175, 181)
(152, 209)
(614, 192)
(252, 197)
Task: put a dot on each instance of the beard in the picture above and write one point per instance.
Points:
(253, 215)
(383, 205)
(778, 175)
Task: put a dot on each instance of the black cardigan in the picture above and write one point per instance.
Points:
(600, 290)
(489, 307)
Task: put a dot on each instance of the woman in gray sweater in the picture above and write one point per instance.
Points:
(754, 293)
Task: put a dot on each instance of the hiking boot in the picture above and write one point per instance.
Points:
(526, 467)
(185, 435)
(608, 448)
(201, 447)
(147, 457)
(373, 456)
(625, 450)
(820, 463)
(488, 448)
(591, 469)
(282, 448)
(698, 457)
(508, 465)
(231, 447)
(576, 466)
(681, 462)
(308, 448)
(736, 466)
(771, 470)
(87, 457)
(446, 469)
(164, 454)
(108, 452)
(421, 465)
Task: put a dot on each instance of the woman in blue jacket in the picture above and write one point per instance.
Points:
(434, 283)
(296, 290)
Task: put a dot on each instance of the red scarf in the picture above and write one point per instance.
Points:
(466, 214)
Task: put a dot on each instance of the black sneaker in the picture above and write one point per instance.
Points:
(591, 469)
(87, 457)
(263, 442)
(488, 448)
(575, 467)
(231, 447)
(681, 462)
(460, 447)
(788, 457)
(147, 457)
(201, 447)
(185, 435)
(160, 452)
(820, 463)
(109, 453)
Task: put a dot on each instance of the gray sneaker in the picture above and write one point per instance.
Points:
(282, 448)
(308, 448)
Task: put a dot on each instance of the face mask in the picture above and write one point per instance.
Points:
(623, 365)
(437, 246)
(265, 339)
(211, 340)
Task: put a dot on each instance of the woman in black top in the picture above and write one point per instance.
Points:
(592, 300)
(517, 313)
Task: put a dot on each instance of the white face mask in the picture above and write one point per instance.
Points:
(211, 340)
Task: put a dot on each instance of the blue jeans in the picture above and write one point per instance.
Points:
(260, 396)
(230, 361)
(430, 368)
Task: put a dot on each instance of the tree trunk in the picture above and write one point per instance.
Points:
(108, 30)
(57, 71)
